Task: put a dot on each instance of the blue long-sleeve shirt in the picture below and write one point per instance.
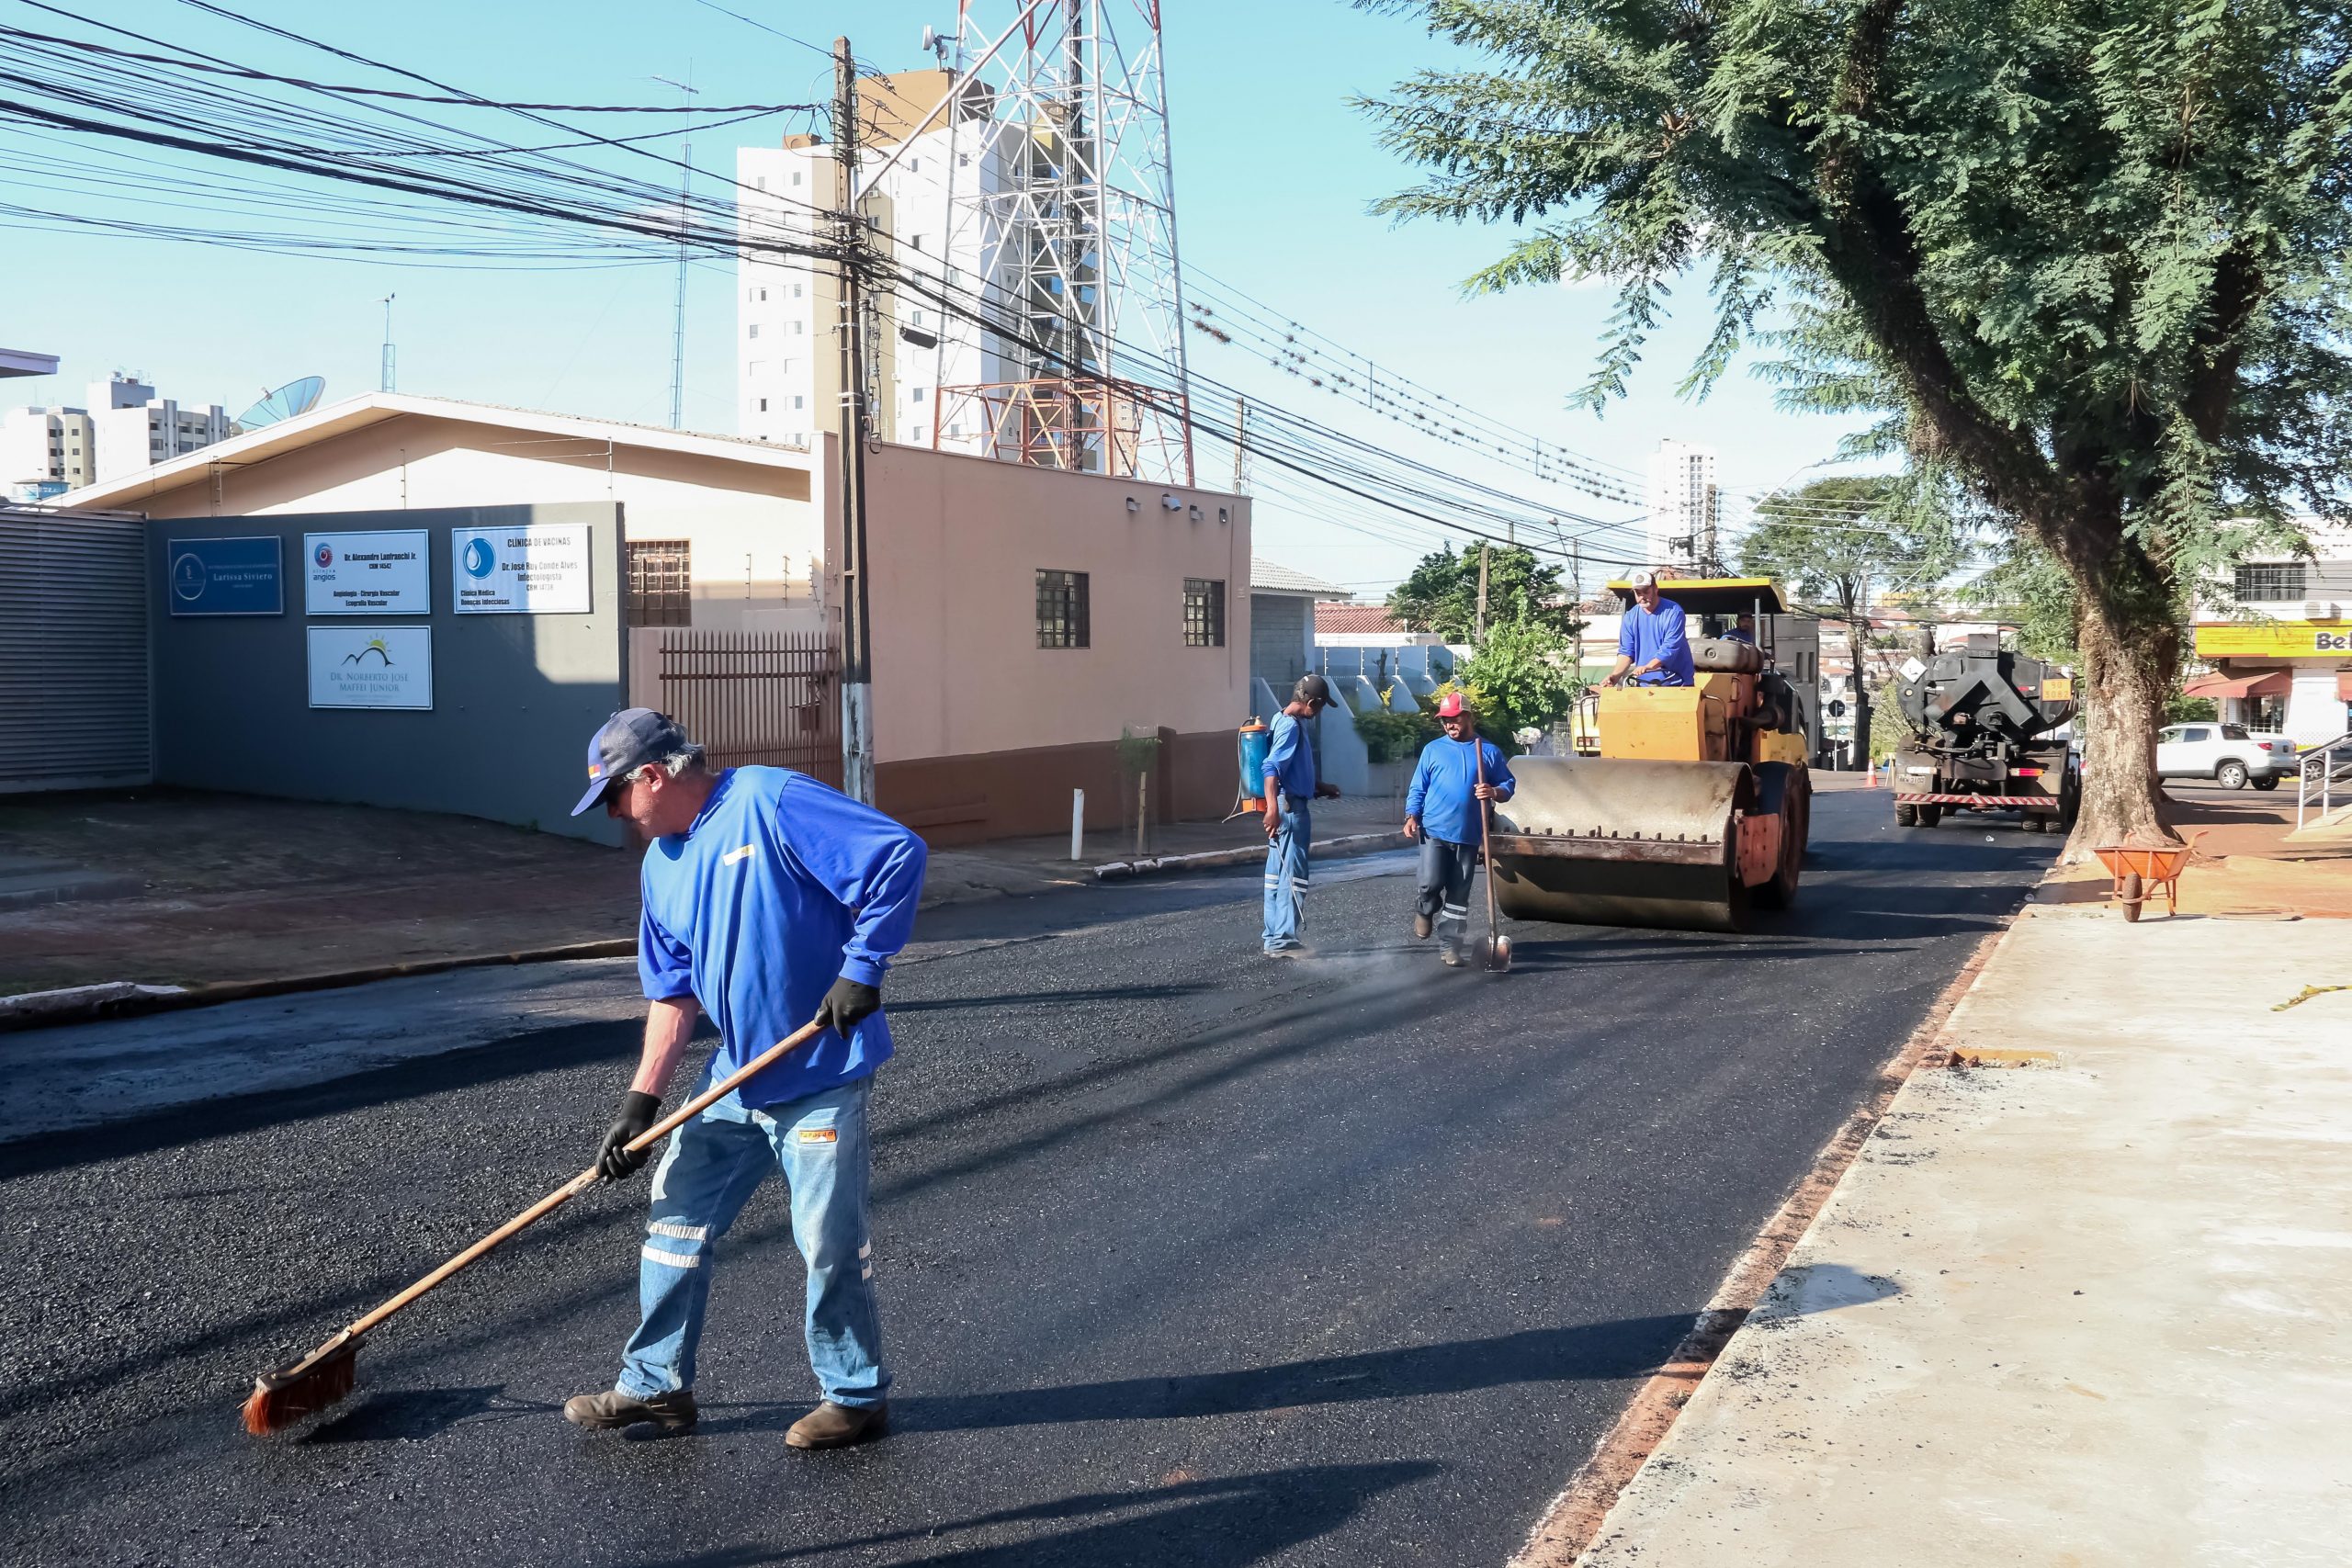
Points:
(1643, 634)
(1440, 793)
(1290, 758)
(780, 886)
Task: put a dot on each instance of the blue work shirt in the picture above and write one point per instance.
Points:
(1643, 634)
(780, 886)
(1290, 759)
(1440, 793)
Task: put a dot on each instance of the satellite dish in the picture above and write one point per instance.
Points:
(295, 396)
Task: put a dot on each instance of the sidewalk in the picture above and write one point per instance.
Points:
(164, 887)
(2085, 1310)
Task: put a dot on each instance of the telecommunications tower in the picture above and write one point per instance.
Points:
(1062, 216)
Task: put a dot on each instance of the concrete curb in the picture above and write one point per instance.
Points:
(1249, 854)
(39, 1009)
(1573, 1518)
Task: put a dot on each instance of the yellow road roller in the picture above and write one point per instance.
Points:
(1696, 807)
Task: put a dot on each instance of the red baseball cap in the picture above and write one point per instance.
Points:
(1450, 706)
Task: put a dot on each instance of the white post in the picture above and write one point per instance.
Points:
(1078, 824)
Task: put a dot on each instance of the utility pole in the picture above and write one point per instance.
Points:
(678, 314)
(1482, 592)
(857, 646)
(387, 379)
(1240, 437)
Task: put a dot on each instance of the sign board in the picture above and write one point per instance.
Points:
(532, 568)
(2273, 639)
(225, 577)
(2058, 689)
(371, 667)
(363, 574)
(1911, 669)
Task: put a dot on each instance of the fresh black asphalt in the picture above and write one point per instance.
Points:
(1187, 1255)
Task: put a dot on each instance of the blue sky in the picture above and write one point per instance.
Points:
(1276, 174)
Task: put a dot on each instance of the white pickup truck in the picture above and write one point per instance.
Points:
(2229, 754)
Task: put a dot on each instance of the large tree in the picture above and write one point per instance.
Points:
(2087, 256)
(1442, 595)
(1836, 541)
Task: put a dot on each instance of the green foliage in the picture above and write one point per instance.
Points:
(1902, 533)
(1442, 595)
(2087, 262)
(2182, 710)
(1390, 737)
(1523, 677)
(2028, 589)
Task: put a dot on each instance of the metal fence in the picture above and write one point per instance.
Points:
(771, 698)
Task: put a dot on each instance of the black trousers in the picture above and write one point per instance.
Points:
(1444, 881)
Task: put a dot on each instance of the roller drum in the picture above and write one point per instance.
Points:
(1622, 842)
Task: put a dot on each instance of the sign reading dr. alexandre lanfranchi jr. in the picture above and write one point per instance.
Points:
(530, 568)
(360, 574)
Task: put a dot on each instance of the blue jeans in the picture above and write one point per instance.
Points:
(1287, 877)
(713, 1164)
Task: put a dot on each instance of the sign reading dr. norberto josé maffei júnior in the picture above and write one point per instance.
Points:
(241, 576)
(364, 574)
(528, 569)
(371, 667)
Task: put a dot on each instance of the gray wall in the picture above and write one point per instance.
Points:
(515, 697)
(1282, 640)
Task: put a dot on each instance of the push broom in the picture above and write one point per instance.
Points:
(320, 1379)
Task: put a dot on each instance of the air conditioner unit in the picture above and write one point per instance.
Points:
(2318, 609)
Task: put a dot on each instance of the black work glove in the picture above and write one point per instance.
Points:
(614, 1158)
(848, 1001)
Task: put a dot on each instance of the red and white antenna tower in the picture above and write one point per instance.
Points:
(1062, 213)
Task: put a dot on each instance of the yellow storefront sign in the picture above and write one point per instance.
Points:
(2273, 639)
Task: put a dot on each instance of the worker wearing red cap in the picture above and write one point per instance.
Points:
(1443, 810)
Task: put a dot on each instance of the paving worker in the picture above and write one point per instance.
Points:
(1742, 631)
(769, 900)
(1291, 785)
(1653, 648)
(1442, 810)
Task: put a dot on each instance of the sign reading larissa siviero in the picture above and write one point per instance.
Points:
(363, 574)
(371, 667)
(532, 568)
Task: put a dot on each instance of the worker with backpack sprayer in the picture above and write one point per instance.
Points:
(1444, 810)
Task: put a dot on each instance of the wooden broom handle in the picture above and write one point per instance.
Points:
(590, 1176)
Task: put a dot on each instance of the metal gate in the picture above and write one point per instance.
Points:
(74, 701)
(771, 698)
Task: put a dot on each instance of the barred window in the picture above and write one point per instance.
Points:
(658, 579)
(1061, 609)
(1203, 611)
(2280, 579)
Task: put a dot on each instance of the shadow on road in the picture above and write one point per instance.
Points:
(1621, 1348)
(520, 1055)
(1224, 1522)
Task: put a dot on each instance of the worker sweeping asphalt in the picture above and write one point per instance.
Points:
(769, 899)
(1459, 773)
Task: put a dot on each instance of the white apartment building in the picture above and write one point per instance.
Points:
(1681, 502)
(126, 428)
(788, 309)
(41, 449)
(135, 429)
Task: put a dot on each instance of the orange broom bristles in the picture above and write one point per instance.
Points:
(311, 1384)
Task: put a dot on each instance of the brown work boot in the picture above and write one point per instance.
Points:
(1422, 926)
(832, 1426)
(612, 1409)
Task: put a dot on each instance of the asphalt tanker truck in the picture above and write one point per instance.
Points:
(1697, 806)
(1988, 734)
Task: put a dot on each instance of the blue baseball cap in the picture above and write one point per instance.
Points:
(626, 743)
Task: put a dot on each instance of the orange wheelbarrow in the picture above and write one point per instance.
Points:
(2140, 871)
